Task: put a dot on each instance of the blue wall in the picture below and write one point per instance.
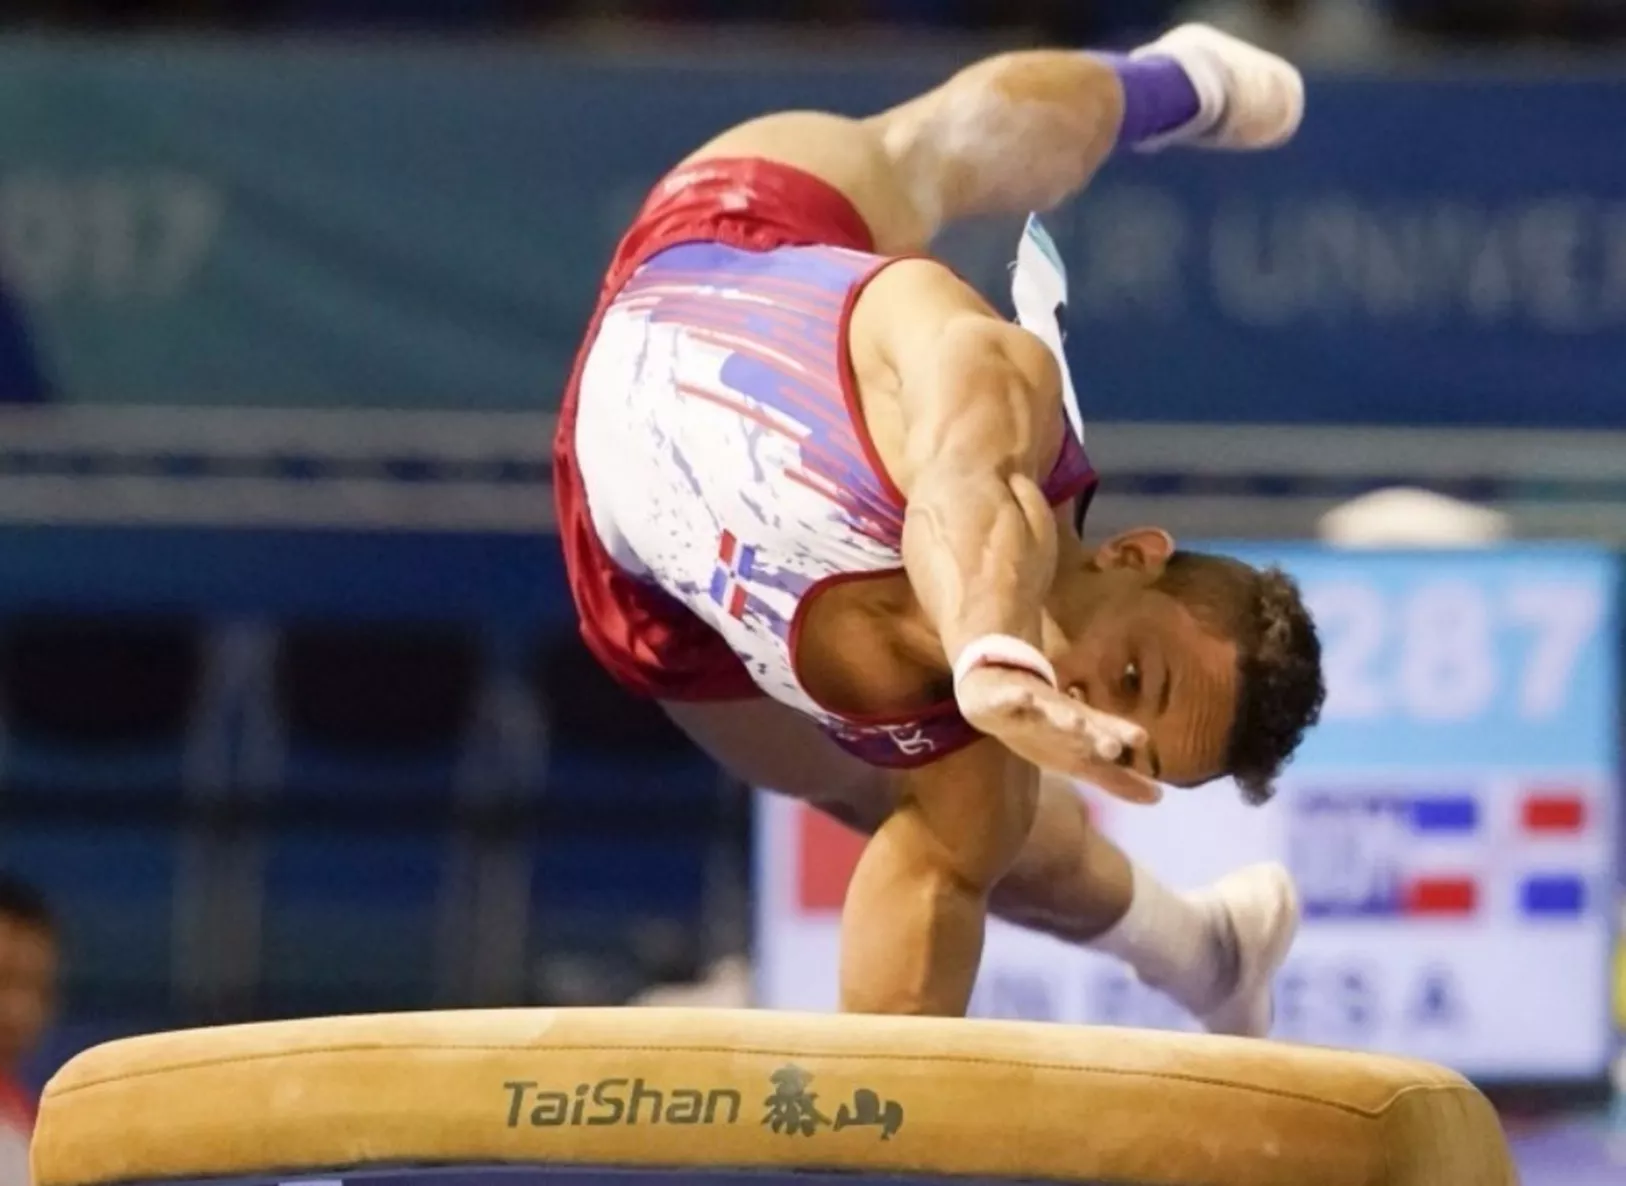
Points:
(411, 226)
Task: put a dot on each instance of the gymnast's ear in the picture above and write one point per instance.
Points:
(1143, 549)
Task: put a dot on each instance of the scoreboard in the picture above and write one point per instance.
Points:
(1451, 825)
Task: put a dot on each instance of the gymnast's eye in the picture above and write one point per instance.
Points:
(1131, 679)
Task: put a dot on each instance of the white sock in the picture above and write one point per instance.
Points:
(1174, 945)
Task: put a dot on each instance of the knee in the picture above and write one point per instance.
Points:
(1021, 130)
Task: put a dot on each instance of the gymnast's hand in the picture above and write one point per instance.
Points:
(1024, 710)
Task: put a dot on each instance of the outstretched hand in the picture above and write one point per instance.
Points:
(1054, 731)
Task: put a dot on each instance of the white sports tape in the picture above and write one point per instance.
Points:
(1002, 650)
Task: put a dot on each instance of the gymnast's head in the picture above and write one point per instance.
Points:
(1218, 661)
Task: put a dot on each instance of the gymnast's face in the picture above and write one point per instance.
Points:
(1139, 653)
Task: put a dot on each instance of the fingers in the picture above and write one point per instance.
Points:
(1057, 732)
(1115, 741)
(1066, 715)
(1127, 734)
(1110, 738)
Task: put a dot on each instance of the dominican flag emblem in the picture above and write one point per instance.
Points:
(733, 569)
(1556, 823)
(1530, 854)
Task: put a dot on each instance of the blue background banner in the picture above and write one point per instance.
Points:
(205, 223)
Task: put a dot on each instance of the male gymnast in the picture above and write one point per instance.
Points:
(822, 502)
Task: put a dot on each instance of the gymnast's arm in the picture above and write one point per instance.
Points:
(980, 401)
(979, 538)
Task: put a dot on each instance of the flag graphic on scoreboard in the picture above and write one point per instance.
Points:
(1450, 854)
(1557, 815)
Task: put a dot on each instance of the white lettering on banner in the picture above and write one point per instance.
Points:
(107, 237)
(1556, 265)
(1613, 284)
(1340, 1003)
(1440, 652)
(1438, 1001)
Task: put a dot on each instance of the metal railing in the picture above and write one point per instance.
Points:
(481, 471)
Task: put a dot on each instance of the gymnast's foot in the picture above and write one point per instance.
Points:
(1248, 98)
(1256, 912)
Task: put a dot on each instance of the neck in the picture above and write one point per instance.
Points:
(1075, 595)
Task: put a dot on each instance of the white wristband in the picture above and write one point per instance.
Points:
(1002, 650)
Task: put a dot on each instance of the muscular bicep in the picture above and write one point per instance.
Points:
(962, 381)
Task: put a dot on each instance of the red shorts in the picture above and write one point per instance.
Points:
(649, 642)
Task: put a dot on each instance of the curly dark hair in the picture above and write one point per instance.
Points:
(1278, 656)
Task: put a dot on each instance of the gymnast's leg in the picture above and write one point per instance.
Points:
(1023, 131)
(1068, 880)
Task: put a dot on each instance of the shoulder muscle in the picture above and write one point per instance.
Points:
(968, 383)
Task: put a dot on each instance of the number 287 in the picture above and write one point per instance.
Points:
(1452, 650)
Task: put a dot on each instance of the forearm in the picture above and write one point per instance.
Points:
(980, 551)
(912, 928)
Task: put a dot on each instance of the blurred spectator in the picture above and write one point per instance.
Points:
(28, 973)
(1576, 21)
(1311, 32)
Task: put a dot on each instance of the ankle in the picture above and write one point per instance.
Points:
(1159, 97)
(1182, 945)
(1224, 956)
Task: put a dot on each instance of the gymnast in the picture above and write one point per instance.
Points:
(823, 503)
